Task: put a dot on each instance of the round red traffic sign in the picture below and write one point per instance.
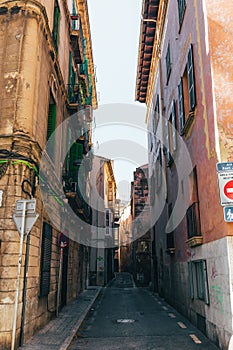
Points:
(228, 189)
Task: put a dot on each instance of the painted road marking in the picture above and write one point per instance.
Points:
(165, 308)
(195, 338)
(181, 325)
(122, 320)
(171, 315)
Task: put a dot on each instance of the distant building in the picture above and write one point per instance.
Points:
(103, 199)
(185, 78)
(141, 235)
(125, 240)
(47, 75)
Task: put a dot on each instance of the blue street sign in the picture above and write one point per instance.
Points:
(228, 214)
(227, 166)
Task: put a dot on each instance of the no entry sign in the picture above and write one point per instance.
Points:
(228, 189)
(225, 182)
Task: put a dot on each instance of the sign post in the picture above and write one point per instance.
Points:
(24, 218)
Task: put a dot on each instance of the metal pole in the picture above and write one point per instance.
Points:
(24, 291)
(18, 277)
(59, 281)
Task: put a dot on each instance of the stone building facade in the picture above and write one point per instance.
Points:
(103, 202)
(185, 78)
(141, 235)
(46, 74)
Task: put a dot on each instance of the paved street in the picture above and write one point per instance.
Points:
(126, 317)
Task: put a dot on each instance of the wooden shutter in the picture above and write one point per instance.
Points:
(46, 250)
(191, 81)
(76, 153)
(174, 141)
(181, 105)
(50, 129)
(56, 24)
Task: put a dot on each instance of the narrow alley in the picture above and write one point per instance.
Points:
(127, 317)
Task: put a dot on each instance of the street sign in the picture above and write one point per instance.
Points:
(30, 205)
(228, 189)
(226, 166)
(228, 214)
(29, 222)
(25, 210)
(225, 183)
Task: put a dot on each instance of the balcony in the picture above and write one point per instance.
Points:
(86, 113)
(75, 198)
(77, 39)
(73, 95)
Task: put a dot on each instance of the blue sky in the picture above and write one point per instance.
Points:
(115, 28)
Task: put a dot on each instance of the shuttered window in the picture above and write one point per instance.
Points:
(191, 81)
(46, 249)
(173, 121)
(56, 24)
(168, 62)
(51, 127)
(181, 105)
(181, 9)
(198, 280)
(76, 156)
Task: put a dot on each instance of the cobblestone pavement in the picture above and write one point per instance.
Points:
(59, 332)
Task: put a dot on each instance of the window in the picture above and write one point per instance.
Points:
(156, 115)
(170, 235)
(46, 249)
(187, 94)
(191, 81)
(172, 129)
(51, 126)
(181, 9)
(76, 156)
(167, 140)
(56, 25)
(72, 86)
(193, 213)
(168, 62)
(198, 280)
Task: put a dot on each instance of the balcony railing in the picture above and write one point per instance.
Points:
(193, 220)
(77, 39)
(73, 94)
(75, 197)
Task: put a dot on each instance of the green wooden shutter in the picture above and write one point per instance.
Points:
(181, 104)
(191, 81)
(76, 153)
(46, 250)
(56, 24)
(50, 129)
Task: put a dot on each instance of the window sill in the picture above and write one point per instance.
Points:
(188, 124)
(194, 241)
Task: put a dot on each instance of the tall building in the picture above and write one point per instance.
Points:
(103, 202)
(141, 234)
(47, 75)
(184, 76)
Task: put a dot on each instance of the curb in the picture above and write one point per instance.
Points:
(66, 343)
